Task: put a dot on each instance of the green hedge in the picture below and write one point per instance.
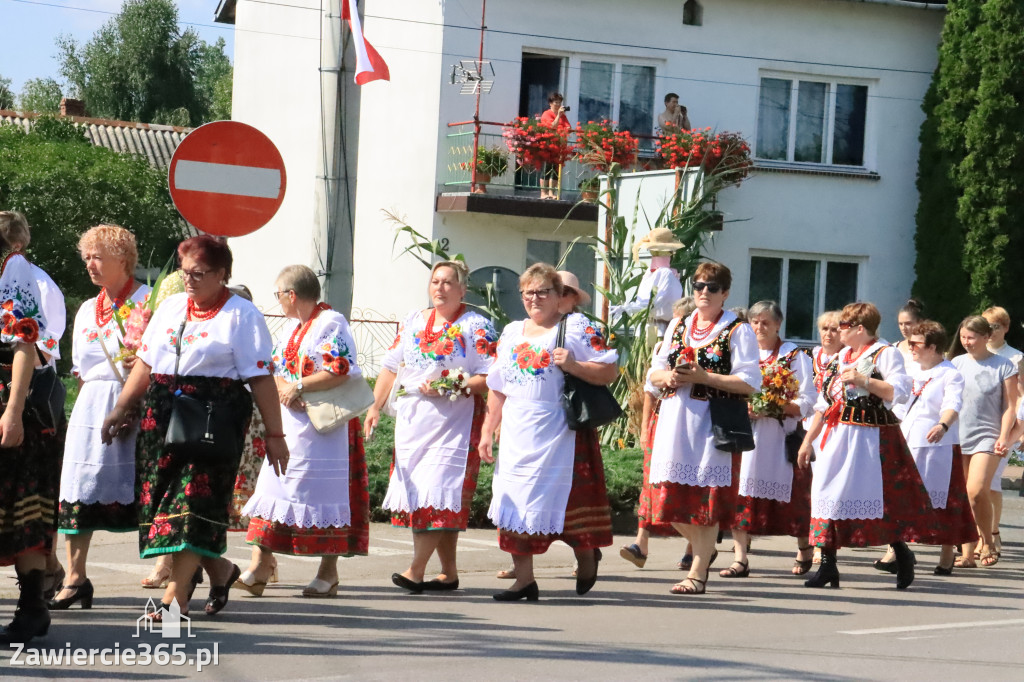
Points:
(623, 473)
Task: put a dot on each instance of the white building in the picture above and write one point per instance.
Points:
(827, 91)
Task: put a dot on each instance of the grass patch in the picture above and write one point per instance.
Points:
(623, 473)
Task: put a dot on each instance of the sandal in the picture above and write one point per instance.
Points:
(963, 562)
(158, 579)
(507, 574)
(989, 559)
(633, 555)
(689, 586)
(997, 544)
(733, 572)
(801, 566)
(218, 598)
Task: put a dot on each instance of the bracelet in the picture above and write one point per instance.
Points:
(273, 435)
(944, 426)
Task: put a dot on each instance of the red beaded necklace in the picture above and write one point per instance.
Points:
(774, 354)
(819, 363)
(429, 337)
(698, 334)
(196, 314)
(291, 351)
(105, 307)
(851, 358)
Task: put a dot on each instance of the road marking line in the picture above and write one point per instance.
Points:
(938, 626)
(224, 178)
(487, 543)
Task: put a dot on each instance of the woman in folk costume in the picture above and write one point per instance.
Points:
(321, 505)
(549, 481)
(774, 496)
(97, 489)
(866, 490)
(436, 433)
(929, 423)
(710, 354)
(660, 287)
(828, 332)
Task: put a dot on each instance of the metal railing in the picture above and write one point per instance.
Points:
(372, 331)
(516, 180)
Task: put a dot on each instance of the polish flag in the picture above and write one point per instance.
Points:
(370, 65)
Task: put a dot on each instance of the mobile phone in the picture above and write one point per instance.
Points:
(370, 435)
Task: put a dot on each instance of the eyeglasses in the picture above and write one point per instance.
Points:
(536, 293)
(712, 287)
(847, 324)
(277, 294)
(916, 344)
(195, 275)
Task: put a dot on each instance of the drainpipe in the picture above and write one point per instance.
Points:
(937, 6)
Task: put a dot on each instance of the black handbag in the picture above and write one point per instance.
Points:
(730, 424)
(794, 440)
(200, 428)
(44, 403)
(587, 406)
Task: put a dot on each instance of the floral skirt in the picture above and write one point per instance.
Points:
(348, 540)
(82, 517)
(761, 516)
(253, 454)
(696, 505)
(588, 516)
(28, 494)
(184, 502)
(429, 518)
(644, 515)
(956, 520)
(907, 513)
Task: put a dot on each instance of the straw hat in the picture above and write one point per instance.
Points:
(658, 239)
(569, 281)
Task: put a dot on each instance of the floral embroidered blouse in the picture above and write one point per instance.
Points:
(328, 345)
(21, 314)
(469, 342)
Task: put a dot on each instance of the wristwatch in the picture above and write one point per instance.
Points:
(299, 387)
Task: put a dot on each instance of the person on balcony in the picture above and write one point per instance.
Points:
(674, 117)
(554, 117)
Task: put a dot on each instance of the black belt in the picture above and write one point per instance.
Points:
(869, 416)
(703, 392)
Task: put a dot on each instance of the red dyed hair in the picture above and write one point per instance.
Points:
(210, 251)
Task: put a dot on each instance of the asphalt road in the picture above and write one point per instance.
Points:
(768, 626)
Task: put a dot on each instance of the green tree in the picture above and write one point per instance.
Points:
(6, 95)
(140, 67)
(64, 186)
(213, 80)
(41, 95)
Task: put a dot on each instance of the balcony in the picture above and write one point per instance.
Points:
(514, 192)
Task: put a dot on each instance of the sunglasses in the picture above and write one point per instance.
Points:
(916, 344)
(846, 324)
(712, 287)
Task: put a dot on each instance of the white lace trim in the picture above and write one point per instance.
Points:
(841, 510)
(533, 523)
(298, 515)
(717, 476)
(939, 498)
(397, 499)
(765, 490)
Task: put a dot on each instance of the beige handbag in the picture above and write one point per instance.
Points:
(330, 409)
(391, 404)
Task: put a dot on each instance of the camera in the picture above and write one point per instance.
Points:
(568, 108)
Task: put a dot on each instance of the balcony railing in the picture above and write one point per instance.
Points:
(517, 180)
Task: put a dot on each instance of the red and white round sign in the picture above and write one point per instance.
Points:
(227, 178)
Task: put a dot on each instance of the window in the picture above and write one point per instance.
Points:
(811, 121)
(619, 92)
(693, 13)
(805, 286)
(579, 260)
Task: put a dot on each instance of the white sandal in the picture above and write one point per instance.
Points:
(320, 588)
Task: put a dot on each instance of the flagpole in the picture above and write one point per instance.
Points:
(479, 88)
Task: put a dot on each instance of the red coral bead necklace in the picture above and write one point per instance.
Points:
(697, 334)
(291, 351)
(430, 336)
(197, 314)
(105, 307)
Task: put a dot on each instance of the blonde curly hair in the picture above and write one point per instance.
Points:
(113, 240)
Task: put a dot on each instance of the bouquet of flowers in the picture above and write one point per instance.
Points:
(599, 144)
(779, 386)
(536, 144)
(133, 317)
(452, 384)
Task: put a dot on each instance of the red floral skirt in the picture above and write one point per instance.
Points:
(588, 517)
(350, 540)
(907, 513)
(956, 520)
(696, 505)
(429, 518)
(761, 516)
(643, 513)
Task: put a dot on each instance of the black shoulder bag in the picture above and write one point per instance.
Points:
(46, 393)
(200, 428)
(587, 406)
(730, 424)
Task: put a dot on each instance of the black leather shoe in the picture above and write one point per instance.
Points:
(828, 571)
(82, 593)
(584, 585)
(218, 598)
(530, 593)
(436, 585)
(904, 565)
(885, 566)
(406, 584)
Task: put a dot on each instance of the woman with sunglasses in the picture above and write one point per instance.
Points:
(693, 484)
(929, 423)
(205, 343)
(866, 490)
(436, 458)
(549, 482)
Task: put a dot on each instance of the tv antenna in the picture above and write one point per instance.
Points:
(476, 76)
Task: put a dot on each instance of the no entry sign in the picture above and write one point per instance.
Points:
(227, 178)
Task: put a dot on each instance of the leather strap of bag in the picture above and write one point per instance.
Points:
(177, 353)
(560, 337)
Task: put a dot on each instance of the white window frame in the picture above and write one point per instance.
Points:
(831, 83)
(819, 299)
